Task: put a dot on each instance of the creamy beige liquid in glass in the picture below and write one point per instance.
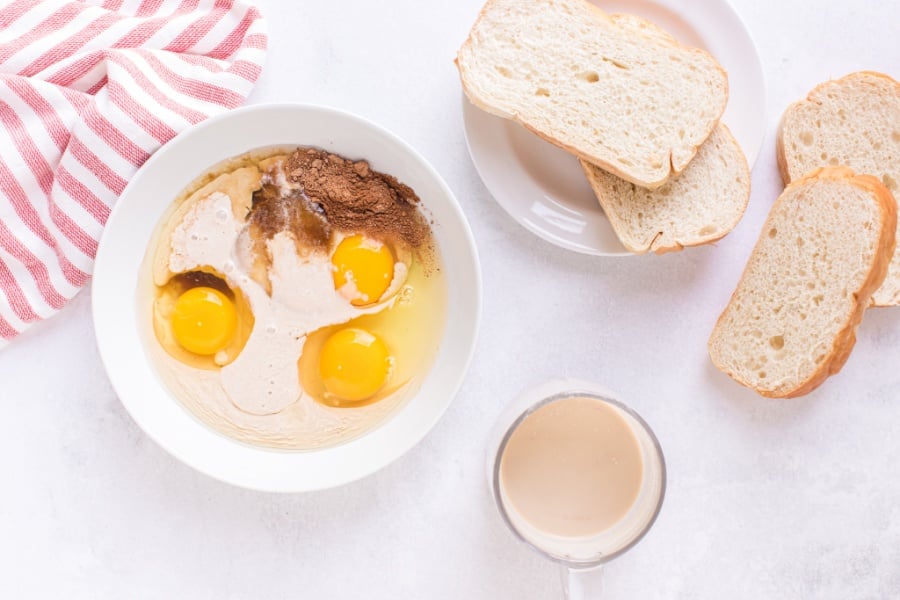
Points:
(572, 468)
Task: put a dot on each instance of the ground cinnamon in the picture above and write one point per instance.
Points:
(274, 211)
(354, 198)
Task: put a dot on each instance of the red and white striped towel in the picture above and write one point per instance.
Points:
(88, 91)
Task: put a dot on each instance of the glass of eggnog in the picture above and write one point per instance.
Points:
(577, 475)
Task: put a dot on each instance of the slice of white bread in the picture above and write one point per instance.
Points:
(699, 206)
(853, 121)
(823, 251)
(615, 93)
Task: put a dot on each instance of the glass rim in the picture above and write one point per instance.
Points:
(576, 392)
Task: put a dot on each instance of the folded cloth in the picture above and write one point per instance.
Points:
(88, 91)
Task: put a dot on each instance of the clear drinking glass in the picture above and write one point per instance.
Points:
(580, 558)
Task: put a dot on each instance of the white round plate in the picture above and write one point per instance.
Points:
(120, 328)
(542, 187)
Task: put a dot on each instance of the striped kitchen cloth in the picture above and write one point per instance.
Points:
(88, 91)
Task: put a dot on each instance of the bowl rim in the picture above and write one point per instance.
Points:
(117, 367)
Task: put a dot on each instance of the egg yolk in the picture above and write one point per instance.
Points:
(353, 364)
(204, 320)
(363, 269)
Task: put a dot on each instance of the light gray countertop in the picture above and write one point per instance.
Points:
(766, 499)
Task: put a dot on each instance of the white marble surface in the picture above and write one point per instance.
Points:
(767, 499)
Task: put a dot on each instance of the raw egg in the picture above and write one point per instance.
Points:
(200, 320)
(363, 269)
(412, 320)
(354, 364)
(204, 320)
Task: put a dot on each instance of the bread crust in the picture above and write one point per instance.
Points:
(656, 36)
(678, 245)
(780, 158)
(845, 339)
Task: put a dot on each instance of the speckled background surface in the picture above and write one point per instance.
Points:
(766, 499)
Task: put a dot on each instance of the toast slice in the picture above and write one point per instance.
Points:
(699, 206)
(853, 121)
(823, 251)
(614, 93)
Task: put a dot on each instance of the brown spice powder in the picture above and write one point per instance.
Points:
(272, 212)
(357, 199)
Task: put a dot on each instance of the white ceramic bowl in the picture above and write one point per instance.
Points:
(118, 326)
